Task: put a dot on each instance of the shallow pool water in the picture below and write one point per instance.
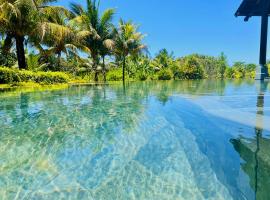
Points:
(149, 140)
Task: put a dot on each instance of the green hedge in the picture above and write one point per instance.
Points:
(8, 75)
(165, 74)
(114, 75)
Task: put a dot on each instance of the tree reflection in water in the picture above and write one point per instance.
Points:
(255, 151)
(86, 138)
(39, 130)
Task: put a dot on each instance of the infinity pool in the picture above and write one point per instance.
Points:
(151, 140)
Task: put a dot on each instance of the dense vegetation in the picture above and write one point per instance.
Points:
(38, 37)
(13, 75)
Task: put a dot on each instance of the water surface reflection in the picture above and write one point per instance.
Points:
(148, 140)
(255, 151)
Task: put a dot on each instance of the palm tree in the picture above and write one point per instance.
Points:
(103, 53)
(21, 19)
(106, 40)
(17, 20)
(163, 59)
(59, 36)
(97, 29)
(127, 41)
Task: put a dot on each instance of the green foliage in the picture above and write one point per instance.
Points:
(53, 31)
(8, 75)
(142, 76)
(197, 66)
(250, 71)
(127, 41)
(162, 60)
(164, 74)
(114, 75)
(176, 71)
(165, 64)
(165, 67)
(32, 61)
(229, 72)
(222, 64)
(7, 59)
(191, 68)
(139, 68)
(241, 70)
(96, 30)
(28, 19)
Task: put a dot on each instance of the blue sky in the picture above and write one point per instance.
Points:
(191, 26)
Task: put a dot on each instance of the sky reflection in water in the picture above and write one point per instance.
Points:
(159, 140)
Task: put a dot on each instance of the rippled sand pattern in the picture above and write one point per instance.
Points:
(146, 142)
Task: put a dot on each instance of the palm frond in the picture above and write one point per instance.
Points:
(76, 9)
(107, 17)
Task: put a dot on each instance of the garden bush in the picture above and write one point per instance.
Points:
(165, 74)
(142, 77)
(8, 75)
(7, 59)
(192, 69)
(114, 75)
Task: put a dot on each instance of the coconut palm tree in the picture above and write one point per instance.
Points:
(127, 41)
(106, 38)
(163, 59)
(59, 36)
(17, 20)
(97, 28)
(21, 19)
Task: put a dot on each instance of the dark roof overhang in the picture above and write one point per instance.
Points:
(250, 8)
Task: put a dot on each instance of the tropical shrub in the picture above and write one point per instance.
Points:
(96, 30)
(229, 73)
(222, 64)
(250, 71)
(191, 69)
(85, 36)
(7, 59)
(142, 77)
(8, 75)
(32, 61)
(199, 66)
(114, 75)
(241, 70)
(165, 74)
(127, 41)
(163, 59)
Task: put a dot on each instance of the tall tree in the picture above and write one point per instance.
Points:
(127, 41)
(163, 59)
(21, 19)
(17, 20)
(222, 65)
(60, 36)
(97, 28)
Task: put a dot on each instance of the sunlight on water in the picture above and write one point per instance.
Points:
(159, 140)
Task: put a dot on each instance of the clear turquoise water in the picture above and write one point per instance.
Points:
(159, 140)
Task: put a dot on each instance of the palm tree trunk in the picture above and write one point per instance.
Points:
(104, 70)
(124, 68)
(96, 73)
(7, 44)
(95, 65)
(59, 59)
(20, 52)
